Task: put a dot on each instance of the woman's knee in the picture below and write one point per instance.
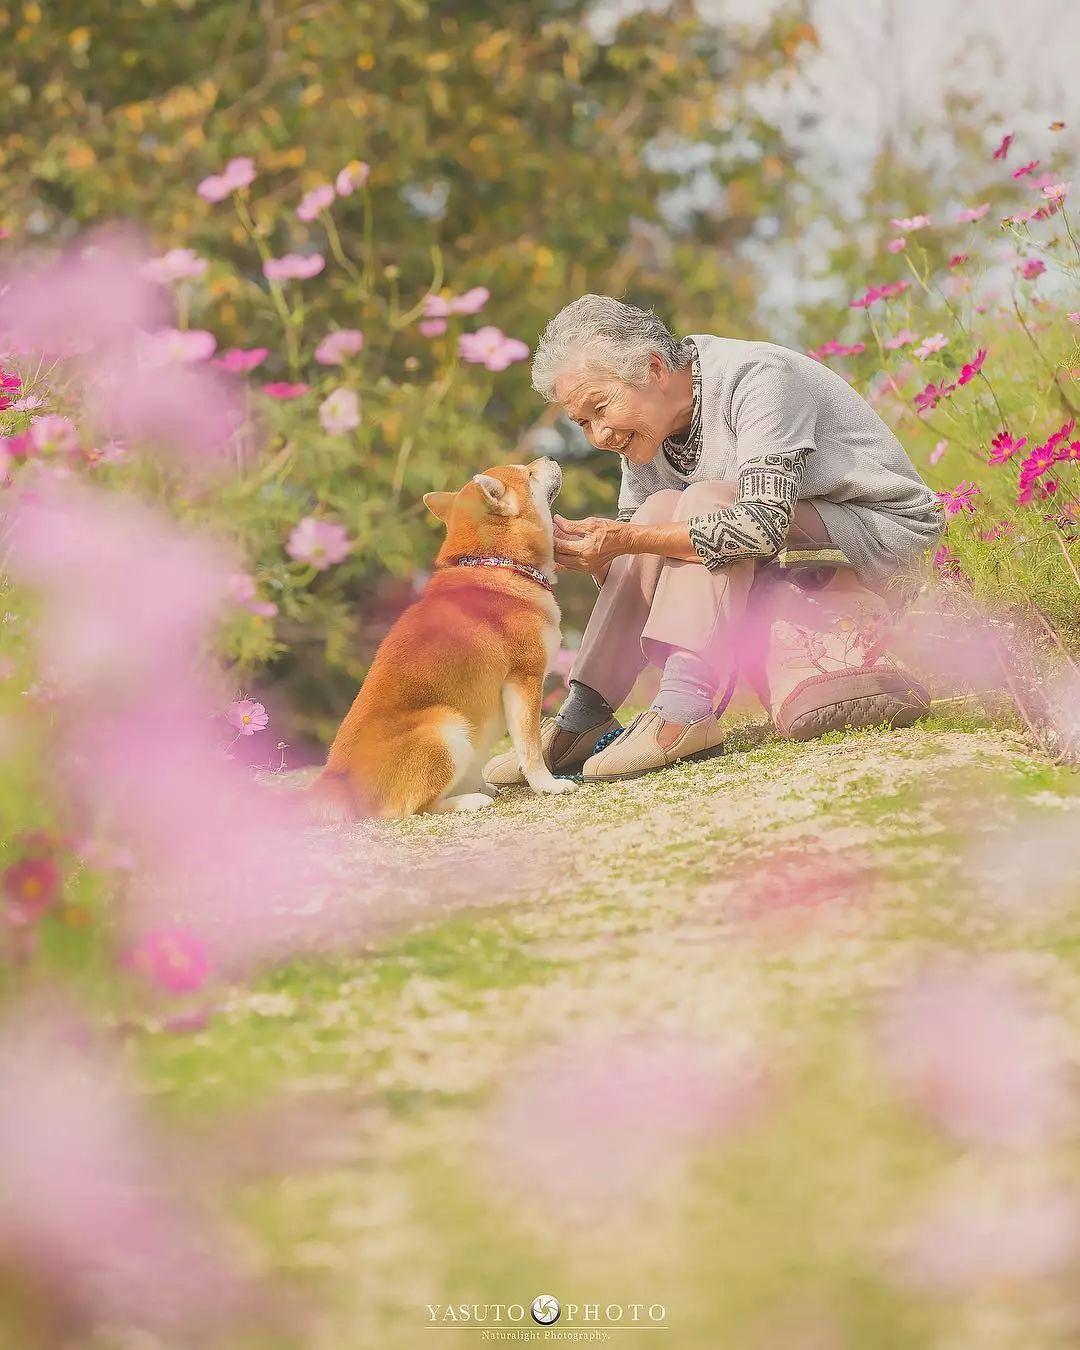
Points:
(700, 498)
(657, 508)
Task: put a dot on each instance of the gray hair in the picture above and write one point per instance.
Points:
(597, 332)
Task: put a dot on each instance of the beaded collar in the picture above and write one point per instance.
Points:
(522, 569)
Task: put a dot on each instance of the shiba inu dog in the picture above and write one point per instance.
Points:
(469, 656)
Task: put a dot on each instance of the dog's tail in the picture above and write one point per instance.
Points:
(331, 799)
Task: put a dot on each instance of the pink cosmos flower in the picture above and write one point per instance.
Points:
(53, 434)
(1034, 267)
(933, 343)
(833, 348)
(185, 346)
(902, 339)
(999, 531)
(938, 450)
(1057, 192)
(432, 327)
(911, 223)
(897, 245)
(337, 346)
(1003, 148)
(491, 348)
(320, 543)
(31, 887)
(340, 412)
(354, 175)
(240, 588)
(964, 1043)
(971, 368)
(27, 404)
(293, 267)
(239, 173)
(315, 202)
(1073, 316)
(179, 264)
(1005, 447)
(1044, 180)
(888, 291)
(972, 213)
(248, 717)
(1020, 217)
(958, 259)
(928, 398)
(471, 302)
(1025, 168)
(958, 499)
(237, 360)
(172, 959)
(282, 389)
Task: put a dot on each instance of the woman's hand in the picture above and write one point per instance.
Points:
(589, 545)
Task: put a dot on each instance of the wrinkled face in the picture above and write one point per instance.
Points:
(507, 509)
(633, 420)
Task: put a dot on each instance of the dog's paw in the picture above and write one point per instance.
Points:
(559, 785)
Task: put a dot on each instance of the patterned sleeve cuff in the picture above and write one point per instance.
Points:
(757, 522)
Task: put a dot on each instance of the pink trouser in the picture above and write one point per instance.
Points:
(649, 604)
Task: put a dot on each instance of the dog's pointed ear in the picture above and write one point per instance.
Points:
(495, 493)
(439, 503)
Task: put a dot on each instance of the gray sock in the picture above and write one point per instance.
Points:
(583, 709)
(686, 689)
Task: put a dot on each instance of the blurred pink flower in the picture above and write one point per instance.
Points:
(320, 543)
(938, 451)
(432, 327)
(897, 245)
(933, 343)
(53, 434)
(282, 389)
(1043, 180)
(172, 959)
(491, 348)
(1073, 316)
(354, 175)
(247, 717)
(963, 1043)
(179, 264)
(972, 213)
(910, 223)
(186, 346)
(315, 202)
(958, 259)
(1005, 447)
(240, 588)
(293, 266)
(958, 499)
(1020, 217)
(927, 399)
(31, 887)
(971, 368)
(598, 1122)
(1003, 148)
(239, 173)
(27, 404)
(999, 531)
(237, 360)
(1034, 267)
(471, 302)
(337, 346)
(1025, 168)
(833, 348)
(340, 412)
(873, 294)
(902, 339)
(1057, 192)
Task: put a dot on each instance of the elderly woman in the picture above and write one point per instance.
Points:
(730, 451)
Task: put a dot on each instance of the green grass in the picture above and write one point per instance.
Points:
(629, 921)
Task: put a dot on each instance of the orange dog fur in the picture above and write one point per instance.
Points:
(471, 652)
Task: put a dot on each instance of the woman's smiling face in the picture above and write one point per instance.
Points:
(633, 420)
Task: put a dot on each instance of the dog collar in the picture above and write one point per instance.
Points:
(522, 569)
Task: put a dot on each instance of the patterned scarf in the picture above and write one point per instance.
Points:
(683, 451)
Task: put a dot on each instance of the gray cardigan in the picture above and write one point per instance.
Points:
(761, 399)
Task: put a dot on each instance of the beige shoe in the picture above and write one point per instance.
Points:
(564, 752)
(651, 743)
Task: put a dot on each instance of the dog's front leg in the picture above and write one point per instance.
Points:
(522, 694)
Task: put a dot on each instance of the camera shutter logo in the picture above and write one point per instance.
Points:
(546, 1309)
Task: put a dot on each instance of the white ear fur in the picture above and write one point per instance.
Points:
(495, 493)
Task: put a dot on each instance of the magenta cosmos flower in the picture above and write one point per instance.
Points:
(354, 175)
(336, 347)
(239, 359)
(293, 267)
(247, 716)
(282, 389)
(1034, 267)
(491, 348)
(1027, 168)
(316, 201)
(172, 959)
(1004, 447)
(238, 173)
(319, 543)
(958, 499)
(31, 887)
(971, 368)
(1003, 148)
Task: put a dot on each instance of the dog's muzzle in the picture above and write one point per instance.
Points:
(552, 474)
